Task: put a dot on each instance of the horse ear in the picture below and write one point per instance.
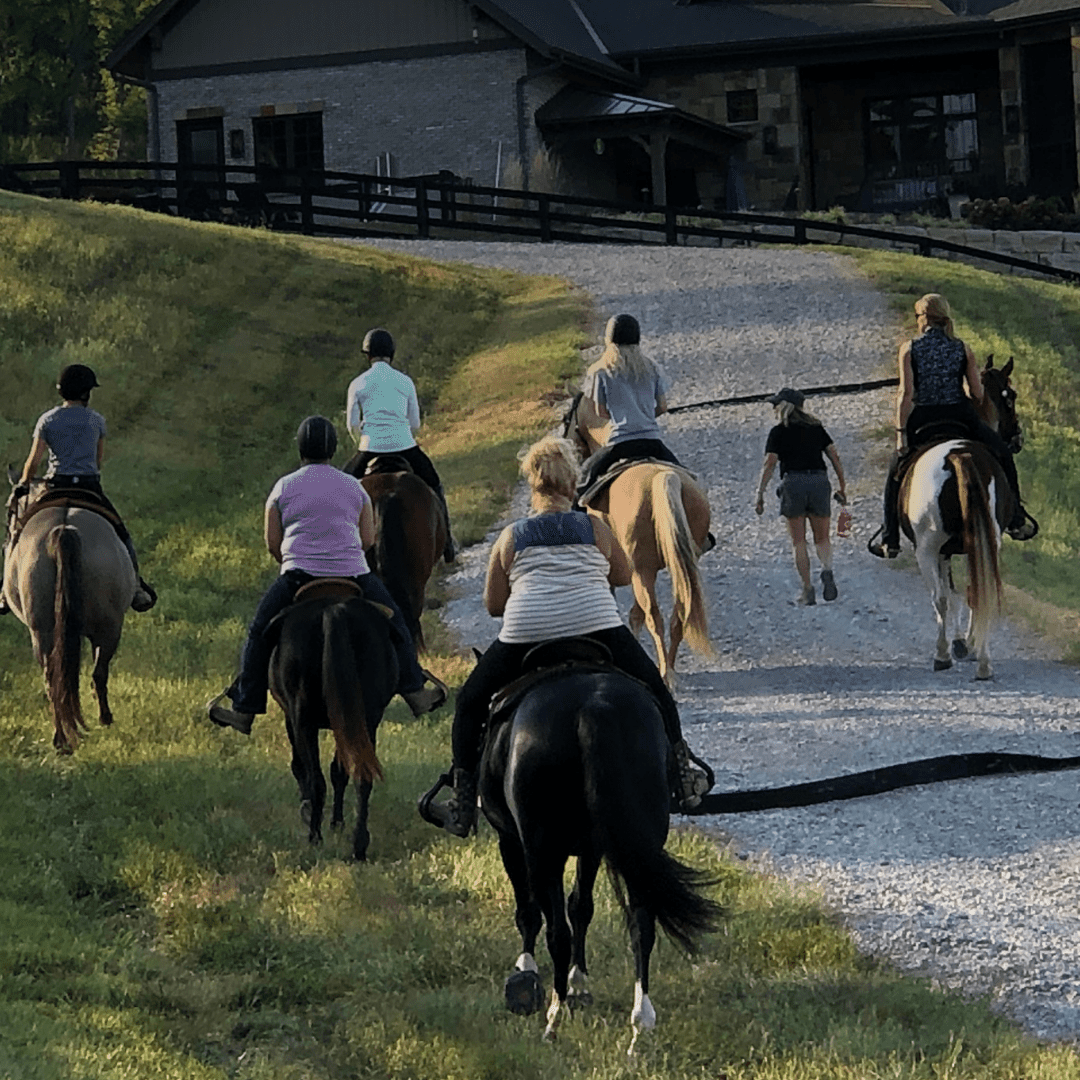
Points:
(12, 474)
(477, 652)
(989, 362)
(1007, 369)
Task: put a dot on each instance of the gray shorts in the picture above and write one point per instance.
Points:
(805, 494)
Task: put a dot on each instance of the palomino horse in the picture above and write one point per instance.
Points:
(67, 576)
(333, 667)
(410, 530)
(660, 518)
(580, 769)
(956, 500)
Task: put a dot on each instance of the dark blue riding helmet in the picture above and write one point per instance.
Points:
(316, 439)
(76, 381)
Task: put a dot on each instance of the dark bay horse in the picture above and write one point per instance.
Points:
(660, 517)
(68, 576)
(581, 769)
(956, 500)
(333, 667)
(410, 530)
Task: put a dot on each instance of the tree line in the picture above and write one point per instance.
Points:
(56, 98)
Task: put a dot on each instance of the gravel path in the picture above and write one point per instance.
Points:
(975, 883)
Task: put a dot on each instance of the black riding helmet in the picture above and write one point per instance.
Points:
(379, 343)
(316, 439)
(622, 330)
(76, 381)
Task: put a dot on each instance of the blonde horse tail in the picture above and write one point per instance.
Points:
(62, 664)
(344, 698)
(679, 552)
(980, 544)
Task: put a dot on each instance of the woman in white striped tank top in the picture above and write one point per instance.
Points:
(551, 575)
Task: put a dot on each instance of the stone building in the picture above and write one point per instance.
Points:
(768, 104)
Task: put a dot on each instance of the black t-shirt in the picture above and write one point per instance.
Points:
(799, 447)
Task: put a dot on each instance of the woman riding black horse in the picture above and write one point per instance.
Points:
(318, 524)
(551, 575)
(934, 368)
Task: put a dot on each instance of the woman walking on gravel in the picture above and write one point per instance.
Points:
(798, 442)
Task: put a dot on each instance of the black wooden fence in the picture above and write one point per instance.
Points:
(330, 203)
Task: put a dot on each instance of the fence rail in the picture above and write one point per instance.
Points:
(329, 203)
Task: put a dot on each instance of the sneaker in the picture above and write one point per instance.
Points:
(458, 814)
(4, 609)
(877, 545)
(693, 782)
(828, 585)
(425, 700)
(807, 598)
(223, 716)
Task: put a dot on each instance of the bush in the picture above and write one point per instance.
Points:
(1032, 213)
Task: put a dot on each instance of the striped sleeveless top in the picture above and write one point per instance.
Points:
(938, 363)
(558, 580)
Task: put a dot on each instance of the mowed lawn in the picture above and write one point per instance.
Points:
(161, 914)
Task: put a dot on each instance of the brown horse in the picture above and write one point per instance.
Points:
(660, 518)
(410, 530)
(956, 500)
(68, 576)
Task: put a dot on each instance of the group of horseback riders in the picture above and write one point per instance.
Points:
(551, 575)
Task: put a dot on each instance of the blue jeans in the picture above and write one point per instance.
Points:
(250, 688)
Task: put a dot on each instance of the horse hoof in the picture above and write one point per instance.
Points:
(942, 665)
(959, 649)
(582, 1000)
(524, 993)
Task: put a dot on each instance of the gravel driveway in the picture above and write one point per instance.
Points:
(975, 883)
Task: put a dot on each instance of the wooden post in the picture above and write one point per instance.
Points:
(658, 161)
(423, 224)
(69, 180)
(543, 207)
(307, 215)
(671, 229)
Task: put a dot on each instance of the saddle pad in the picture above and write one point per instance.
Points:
(598, 486)
(68, 499)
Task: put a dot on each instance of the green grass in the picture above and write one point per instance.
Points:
(161, 914)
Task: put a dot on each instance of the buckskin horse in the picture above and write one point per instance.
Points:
(660, 518)
(580, 768)
(955, 500)
(410, 531)
(333, 667)
(67, 575)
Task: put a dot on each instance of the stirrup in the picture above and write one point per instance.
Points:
(691, 782)
(1028, 529)
(457, 815)
(876, 546)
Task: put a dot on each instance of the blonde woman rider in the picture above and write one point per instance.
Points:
(935, 368)
(550, 575)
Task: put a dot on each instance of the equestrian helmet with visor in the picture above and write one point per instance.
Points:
(378, 342)
(622, 330)
(76, 381)
(316, 439)
(795, 397)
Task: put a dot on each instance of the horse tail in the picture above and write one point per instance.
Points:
(980, 545)
(394, 566)
(677, 549)
(344, 697)
(62, 664)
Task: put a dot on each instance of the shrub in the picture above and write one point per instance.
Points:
(1032, 213)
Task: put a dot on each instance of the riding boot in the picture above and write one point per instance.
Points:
(691, 782)
(145, 597)
(458, 814)
(885, 543)
(450, 548)
(1022, 526)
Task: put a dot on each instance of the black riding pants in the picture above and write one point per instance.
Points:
(502, 663)
(595, 466)
(418, 461)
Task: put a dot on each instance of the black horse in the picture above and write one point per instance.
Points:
(334, 667)
(581, 768)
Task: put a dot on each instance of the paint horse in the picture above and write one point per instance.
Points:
(956, 500)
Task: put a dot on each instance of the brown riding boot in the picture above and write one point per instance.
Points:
(692, 782)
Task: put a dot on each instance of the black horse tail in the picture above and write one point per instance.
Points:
(62, 663)
(344, 698)
(654, 879)
(393, 563)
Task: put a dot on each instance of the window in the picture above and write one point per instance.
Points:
(929, 135)
(741, 106)
(289, 142)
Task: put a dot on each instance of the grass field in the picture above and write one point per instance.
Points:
(161, 915)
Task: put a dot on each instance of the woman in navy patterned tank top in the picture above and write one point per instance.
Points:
(939, 380)
(550, 575)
